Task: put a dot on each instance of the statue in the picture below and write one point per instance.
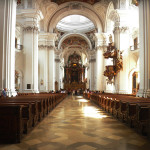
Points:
(110, 38)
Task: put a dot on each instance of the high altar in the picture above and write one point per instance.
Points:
(74, 73)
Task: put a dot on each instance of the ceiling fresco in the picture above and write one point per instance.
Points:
(86, 1)
(75, 41)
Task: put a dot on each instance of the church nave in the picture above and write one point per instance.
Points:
(78, 124)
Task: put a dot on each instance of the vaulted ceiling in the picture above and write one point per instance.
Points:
(55, 10)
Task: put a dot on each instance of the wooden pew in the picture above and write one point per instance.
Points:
(33, 107)
(40, 109)
(27, 115)
(127, 108)
(11, 123)
(142, 118)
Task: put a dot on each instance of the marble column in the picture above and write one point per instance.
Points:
(121, 37)
(43, 68)
(51, 60)
(31, 59)
(100, 62)
(57, 69)
(144, 24)
(87, 75)
(7, 45)
(61, 76)
(92, 72)
(31, 30)
(51, 68)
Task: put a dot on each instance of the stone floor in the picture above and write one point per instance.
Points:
(78, 124)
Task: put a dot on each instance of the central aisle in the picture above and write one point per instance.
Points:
(78, 124)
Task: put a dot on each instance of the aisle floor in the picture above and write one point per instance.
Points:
(78, 124)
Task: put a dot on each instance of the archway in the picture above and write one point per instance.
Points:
(77, 8)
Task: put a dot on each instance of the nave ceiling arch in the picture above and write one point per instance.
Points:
(53, 12)
(78, 43)
(68, 35)
(79, 10)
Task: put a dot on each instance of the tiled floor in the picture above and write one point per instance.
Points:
(78, 124)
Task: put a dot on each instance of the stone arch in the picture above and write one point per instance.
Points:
(69, 52)
(108, 19)
(67, 9)
(74, 34)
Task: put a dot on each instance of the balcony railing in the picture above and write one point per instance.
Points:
(19, 47)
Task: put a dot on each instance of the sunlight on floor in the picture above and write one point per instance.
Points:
(83, 100)
(90, 111)
(79, 96)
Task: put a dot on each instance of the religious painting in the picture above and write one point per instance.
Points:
(86, 1)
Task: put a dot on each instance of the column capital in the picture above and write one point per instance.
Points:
(47, 40)
(92, 56)
(42, 47)
(49, 47)
(100, 39)
(47, 36)
(103, 47)
(57, 52)
(122, 29)
(30, 28)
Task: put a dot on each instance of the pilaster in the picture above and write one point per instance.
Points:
(31, 20)
(144, 21)
(57, 69)
(92, 72)
(42, 67)
(122, 43)
(47, 45)
(101, 44)
(7, 46)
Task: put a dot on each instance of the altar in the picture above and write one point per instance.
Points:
(74, 73)
(75, 86)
